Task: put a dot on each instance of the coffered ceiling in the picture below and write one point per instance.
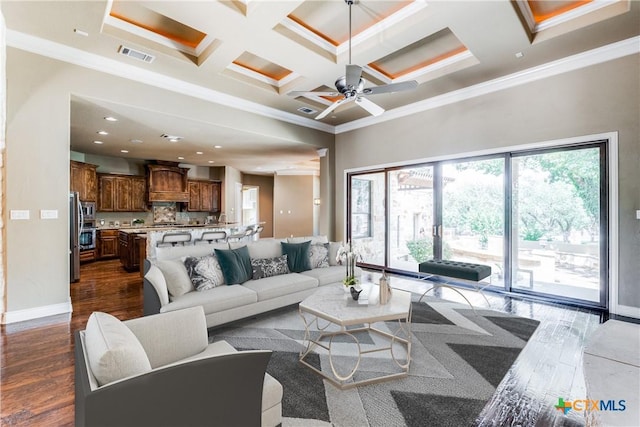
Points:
(256, 51)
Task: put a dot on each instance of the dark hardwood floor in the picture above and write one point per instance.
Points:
(36, 357)
(36, 376)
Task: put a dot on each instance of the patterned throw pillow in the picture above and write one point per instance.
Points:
(204, 272)
(319, 255)
(267, 267)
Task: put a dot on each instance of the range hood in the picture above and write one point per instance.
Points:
(167, 183)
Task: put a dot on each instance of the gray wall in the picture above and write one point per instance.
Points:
(598, 99)
(292, 205)
(37, 161)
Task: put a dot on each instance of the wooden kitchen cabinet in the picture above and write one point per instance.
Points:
(138, 193)
(204, 196)
(107, 244)
(129, 245)
(122, 193)
(107, 190)
(84, 180)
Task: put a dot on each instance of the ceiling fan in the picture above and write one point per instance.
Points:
(351, 86)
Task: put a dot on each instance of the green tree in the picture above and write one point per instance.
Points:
(474, 205)
(580, 169)
(547, 208)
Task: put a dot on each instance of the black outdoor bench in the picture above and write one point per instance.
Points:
(457, 270)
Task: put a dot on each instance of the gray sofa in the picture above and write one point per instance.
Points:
(161, 371)
(168, 285)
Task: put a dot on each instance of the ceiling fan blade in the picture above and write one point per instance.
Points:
(372, 108)
(332, 107)
(303, 93)
(392, 87)
(353, 74)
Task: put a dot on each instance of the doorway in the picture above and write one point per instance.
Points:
(250, 205)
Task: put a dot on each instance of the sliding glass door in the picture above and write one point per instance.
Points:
(537, 217)
(557, 220)
(410, 217)
(473, 215)
(367, 217)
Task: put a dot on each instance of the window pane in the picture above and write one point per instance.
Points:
(368, 217)
(556, 220)
(411, 217)
(473, 214)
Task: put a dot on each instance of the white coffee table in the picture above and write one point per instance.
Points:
(333, 305)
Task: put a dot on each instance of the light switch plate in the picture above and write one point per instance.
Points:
(49, 214)
(638, 214)
(19, 214)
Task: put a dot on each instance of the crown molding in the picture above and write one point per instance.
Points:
(99, 63)
(570, 63)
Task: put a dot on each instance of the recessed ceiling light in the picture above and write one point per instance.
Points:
(211, 161)
(199, 152)
(136, 141)
(111, 119)
(124, 151)
(98, 142)
(180, 158)
(217, 146)
(519, 55)
(103, 132)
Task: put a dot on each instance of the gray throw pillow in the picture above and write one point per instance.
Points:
(297, 256)
(319, 255)
(268, 267)
(236, 265)
(205, 272)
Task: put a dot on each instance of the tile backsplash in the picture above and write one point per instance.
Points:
(164, 212)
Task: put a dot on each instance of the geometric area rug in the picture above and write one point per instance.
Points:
(458, 359)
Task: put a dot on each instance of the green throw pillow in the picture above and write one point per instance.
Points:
(297, 256)
(235, 265)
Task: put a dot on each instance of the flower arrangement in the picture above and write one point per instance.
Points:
(348, 256)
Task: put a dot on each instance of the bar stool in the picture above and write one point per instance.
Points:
(256, 233)
(174, 238)
(212, 236)
(237, 236)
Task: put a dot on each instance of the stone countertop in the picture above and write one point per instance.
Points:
(128, 227)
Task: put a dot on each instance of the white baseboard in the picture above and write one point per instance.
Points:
(36, 312)
(627, 311)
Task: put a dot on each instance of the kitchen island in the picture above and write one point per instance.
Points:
(136, 244)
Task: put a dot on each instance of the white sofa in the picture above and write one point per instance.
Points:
(168, 287)
(161, 371)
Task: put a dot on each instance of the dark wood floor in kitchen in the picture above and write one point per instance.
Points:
(36, 376)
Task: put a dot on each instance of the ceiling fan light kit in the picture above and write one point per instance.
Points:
(351, 86)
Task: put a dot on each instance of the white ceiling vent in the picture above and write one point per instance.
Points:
(127, 51)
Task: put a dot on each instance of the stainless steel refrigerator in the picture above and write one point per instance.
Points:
(75, 226)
